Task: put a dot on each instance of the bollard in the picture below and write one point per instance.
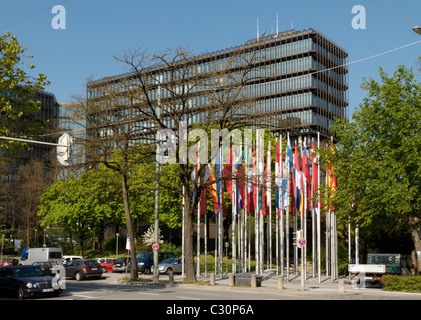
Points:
(253, 281)
(280, 282)
(341, 286)
(171, 278)
(212, 279)
(231, 279)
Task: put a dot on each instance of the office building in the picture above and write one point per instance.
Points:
(298, 83)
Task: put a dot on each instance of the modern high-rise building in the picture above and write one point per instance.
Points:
(298, 83)
(49, 111)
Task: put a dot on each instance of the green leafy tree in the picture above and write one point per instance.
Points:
(17, 92)
(378, 161)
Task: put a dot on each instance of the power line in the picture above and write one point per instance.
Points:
(402, 16)
(29, 16)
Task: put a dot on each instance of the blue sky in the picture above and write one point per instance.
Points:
(98, 30)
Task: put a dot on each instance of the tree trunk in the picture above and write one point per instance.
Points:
(129, 225)
(188, 239)
(414, 224)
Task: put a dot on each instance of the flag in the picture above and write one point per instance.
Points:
(315, 172)
(196, 170)
(291, 173)
(250, 186)
(304, 164)
(331, 179)
(228, 174)
(278, 175)
(298, 181)
(306, 175)
(240, 181)
(215, 186)
(268, 177)
(262, 202)
(203, 207)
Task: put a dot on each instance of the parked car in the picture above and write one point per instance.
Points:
(120, 265)
(145, 260)
(27, 281)
(9, 262)
(45, 266)
(106, 264)
(172, 264)
(83, 268)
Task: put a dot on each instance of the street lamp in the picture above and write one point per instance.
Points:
(417, 29)
(116, 244)
(2, 239)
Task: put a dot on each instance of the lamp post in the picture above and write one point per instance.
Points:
(2, 239)
(116, 244)
(417, 29)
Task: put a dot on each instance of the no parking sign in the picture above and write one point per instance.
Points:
(155, 246)
(301, 242)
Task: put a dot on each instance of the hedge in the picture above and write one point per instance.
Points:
(402, 284)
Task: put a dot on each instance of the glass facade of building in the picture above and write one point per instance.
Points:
(299, 82)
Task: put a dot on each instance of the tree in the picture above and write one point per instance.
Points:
(377, 161)
(17, 89)
(146, 100)
(33, 178)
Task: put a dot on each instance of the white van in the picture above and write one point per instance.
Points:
(31, 255)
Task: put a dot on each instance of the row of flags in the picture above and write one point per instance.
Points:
(296, 178)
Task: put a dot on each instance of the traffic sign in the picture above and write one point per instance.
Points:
(301, 242)
(155, 246)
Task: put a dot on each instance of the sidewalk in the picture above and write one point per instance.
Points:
(313, 289)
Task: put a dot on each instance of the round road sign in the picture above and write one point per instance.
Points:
(301, 242)
(155, 246)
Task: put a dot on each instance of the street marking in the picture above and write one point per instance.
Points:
(149, 294)
(188, 298)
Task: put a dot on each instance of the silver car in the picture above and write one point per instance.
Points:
(172, 264)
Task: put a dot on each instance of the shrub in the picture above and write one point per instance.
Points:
(402, 284)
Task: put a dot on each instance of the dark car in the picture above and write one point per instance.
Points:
(145, 260)
(120, 265)
(45, 266)
(27, 281)
(82, 269)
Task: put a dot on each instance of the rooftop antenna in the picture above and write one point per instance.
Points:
(292, 24)
(257, 28)
(277, 25)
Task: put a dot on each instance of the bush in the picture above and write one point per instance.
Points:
(169, 247)
(402, 284)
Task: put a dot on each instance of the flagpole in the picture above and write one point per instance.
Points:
(313, 217)
(221, 209)
(277, 205)
(246, 184)
(261, 175)
(256, 208)
(304, 213)
(318, 211)
(288, 205)
(234, 209)
(182, 239)
(198, 218)
(206, 240)
(281, 210)
(269, 202)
